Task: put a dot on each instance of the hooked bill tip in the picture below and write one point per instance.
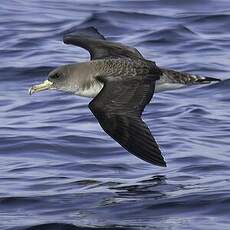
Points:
(30, 91)
(41, 87)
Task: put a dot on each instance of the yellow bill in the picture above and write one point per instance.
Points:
(41, 87)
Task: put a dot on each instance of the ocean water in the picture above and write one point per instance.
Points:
(59, 170)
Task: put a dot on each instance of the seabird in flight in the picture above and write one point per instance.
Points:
(121, 82)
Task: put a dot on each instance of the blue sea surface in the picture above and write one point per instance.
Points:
(60, 170)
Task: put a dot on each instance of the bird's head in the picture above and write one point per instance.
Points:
(62, 78)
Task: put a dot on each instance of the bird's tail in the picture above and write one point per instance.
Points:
(186, 78)
(204, 80)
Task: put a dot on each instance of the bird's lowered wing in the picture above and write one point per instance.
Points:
(99, 48)
(118, 108)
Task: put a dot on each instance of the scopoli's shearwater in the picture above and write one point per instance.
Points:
(122, 83)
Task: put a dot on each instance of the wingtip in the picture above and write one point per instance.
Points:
(69, 38)
(66, 38)
(162, 164)
(158, 162)
(90, 32)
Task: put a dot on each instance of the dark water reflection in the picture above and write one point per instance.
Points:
(59, 170)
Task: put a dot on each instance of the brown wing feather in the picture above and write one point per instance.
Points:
(118, 108)
(99, 48)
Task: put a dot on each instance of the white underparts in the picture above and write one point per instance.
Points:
(92, 91)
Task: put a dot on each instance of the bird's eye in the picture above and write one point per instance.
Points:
(56, 76)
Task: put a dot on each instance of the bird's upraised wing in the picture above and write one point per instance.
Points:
(118, 108)
(99, 48)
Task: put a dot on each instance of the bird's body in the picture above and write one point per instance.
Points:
(87, 85)
(121, 82)
(89, 76)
